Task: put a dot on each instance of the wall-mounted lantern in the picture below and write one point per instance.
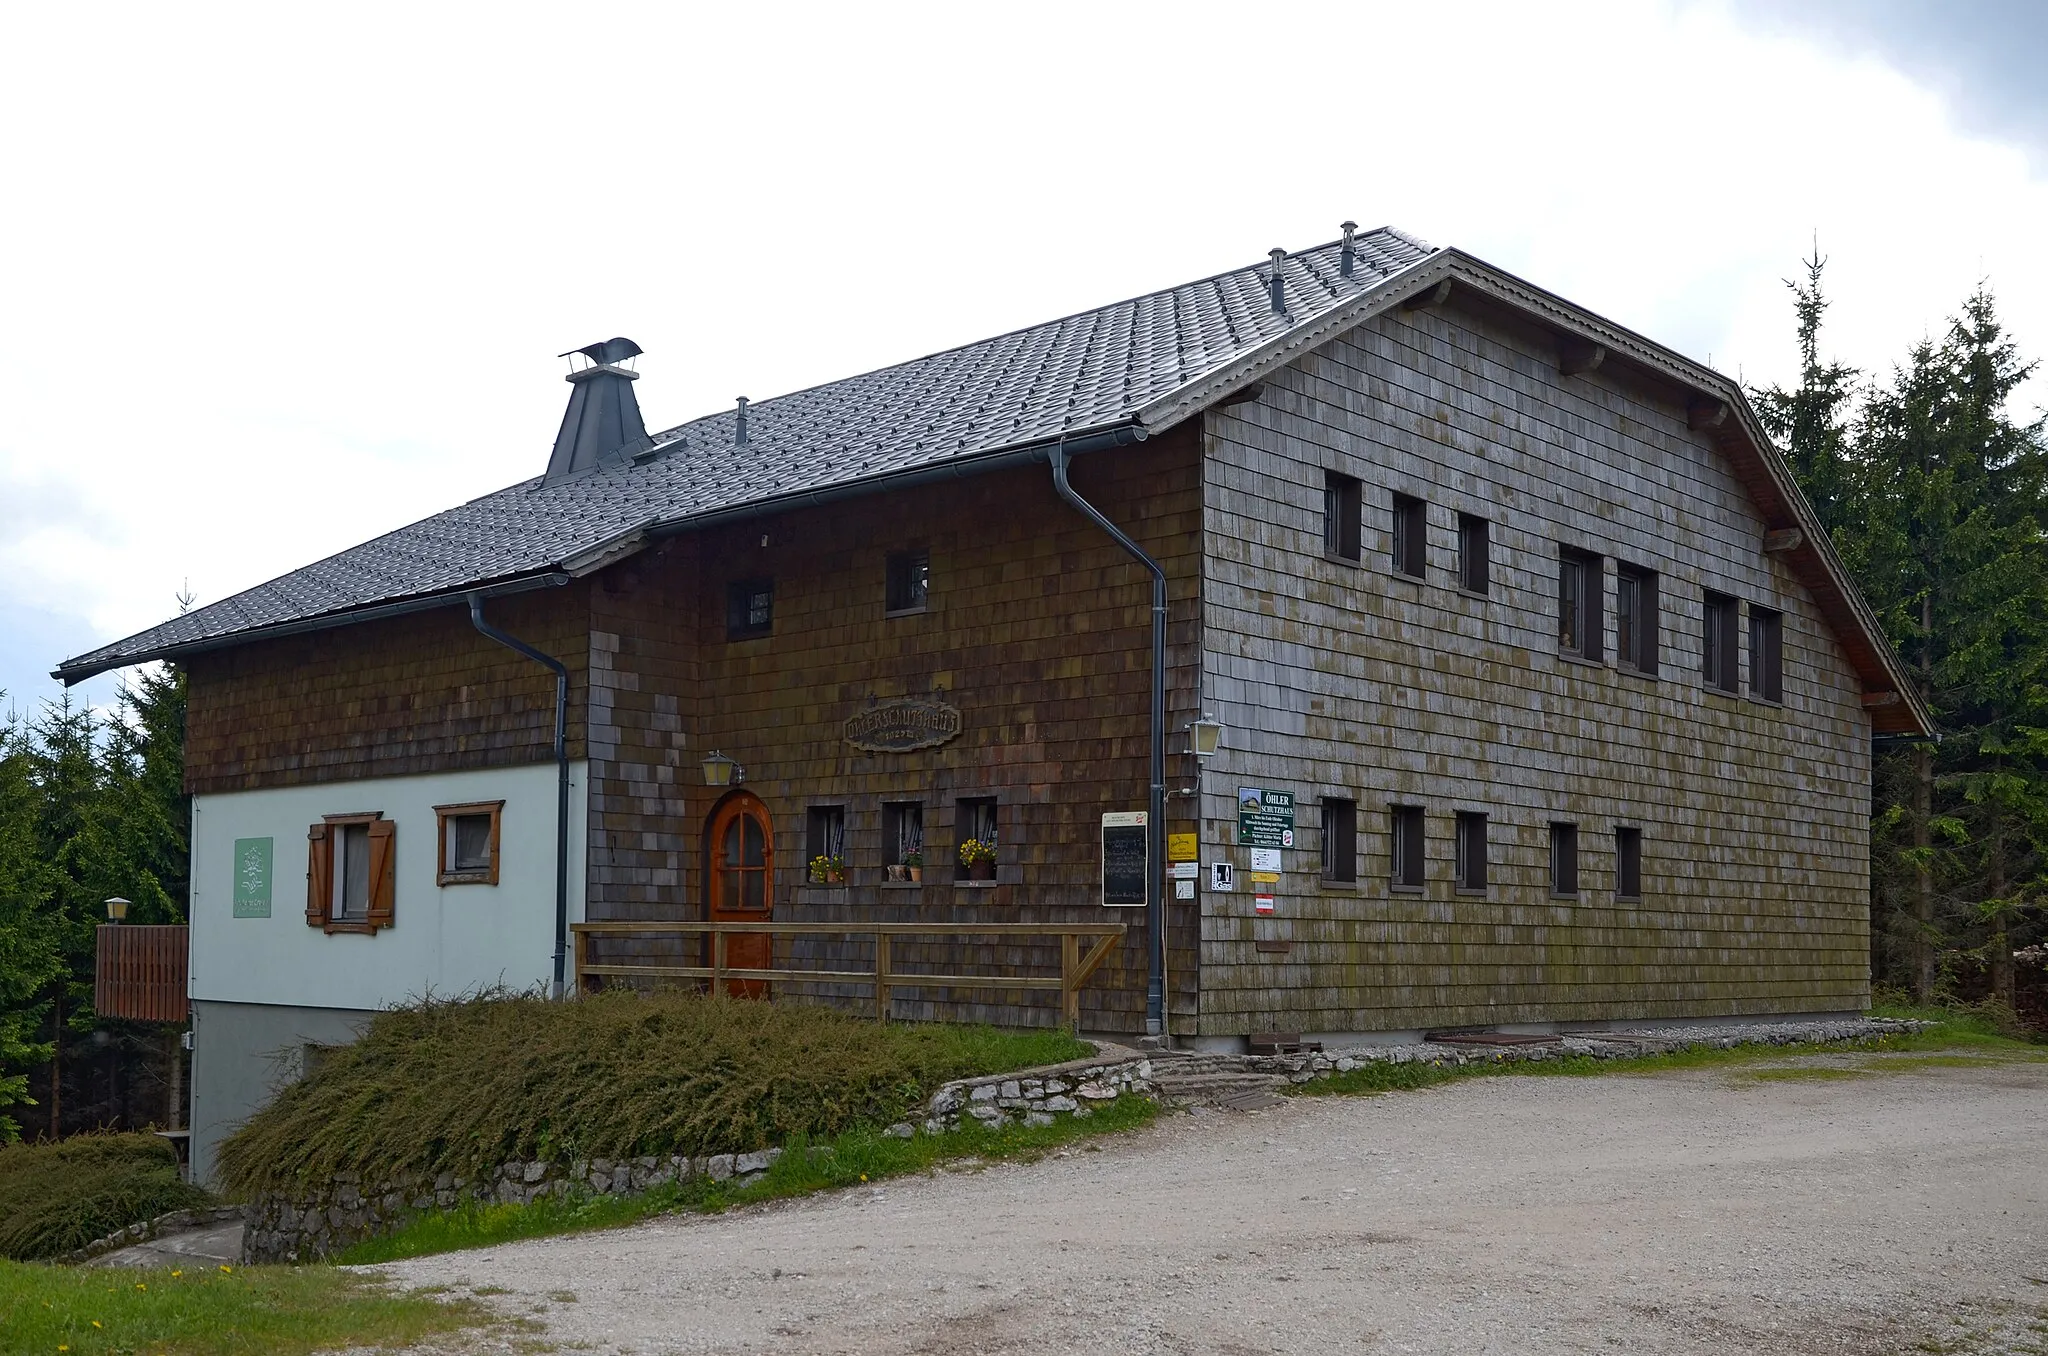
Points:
(1206, 736)
(117, 910)
(720, 770)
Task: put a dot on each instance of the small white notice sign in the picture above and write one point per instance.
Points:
(1265, 859)
(1184, 889)
(1222, 876)
(1187, 871)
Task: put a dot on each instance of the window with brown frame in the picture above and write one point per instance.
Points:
(1411, 536)
(468, 835)
(1343, 515)
(351, 873)
(1635, 619)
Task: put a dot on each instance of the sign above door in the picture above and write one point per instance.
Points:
(903, 724)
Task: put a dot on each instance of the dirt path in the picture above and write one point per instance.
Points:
(1861, 1205)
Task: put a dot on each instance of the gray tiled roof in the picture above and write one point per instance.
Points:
(1028, 386)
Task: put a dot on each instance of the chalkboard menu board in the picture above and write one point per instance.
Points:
(1125, 865)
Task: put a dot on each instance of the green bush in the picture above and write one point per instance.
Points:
(464, 1086)
(58, 1197)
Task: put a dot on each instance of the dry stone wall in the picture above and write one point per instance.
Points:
(320, 1221)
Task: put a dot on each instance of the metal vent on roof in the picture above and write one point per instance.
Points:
(602, 423)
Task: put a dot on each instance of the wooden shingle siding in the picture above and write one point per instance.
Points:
(410, 694)
(1352, 681)
(1037, 629)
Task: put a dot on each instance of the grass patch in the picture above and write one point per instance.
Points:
(856, 1156)
(464, 1086)
(205, 1310)
(57, 1197)
(1820, 1074)
(1968, 1030)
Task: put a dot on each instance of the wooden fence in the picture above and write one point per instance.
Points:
(1076, 965)
(139, 972)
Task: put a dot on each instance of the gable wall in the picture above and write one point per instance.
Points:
(1343, 679)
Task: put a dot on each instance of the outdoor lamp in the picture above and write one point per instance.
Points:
(720, 770)
(117, 909)
(1207, 736)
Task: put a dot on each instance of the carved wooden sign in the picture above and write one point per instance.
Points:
(903, 724)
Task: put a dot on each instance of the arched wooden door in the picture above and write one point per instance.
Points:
(740, 886)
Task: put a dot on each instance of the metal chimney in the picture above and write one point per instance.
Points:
(603, 418)
(1348, 258)
(1276, 286)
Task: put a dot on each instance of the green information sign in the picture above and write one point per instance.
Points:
(1265, 818)
(252, 877)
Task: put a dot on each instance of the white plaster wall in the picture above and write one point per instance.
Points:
(447, 939)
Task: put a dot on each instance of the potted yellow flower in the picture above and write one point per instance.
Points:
(979, 858)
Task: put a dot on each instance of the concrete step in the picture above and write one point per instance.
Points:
(1213, 1088)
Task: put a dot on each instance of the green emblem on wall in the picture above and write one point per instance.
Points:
(252, 877)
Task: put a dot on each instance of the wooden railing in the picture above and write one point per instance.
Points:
(1076, 966)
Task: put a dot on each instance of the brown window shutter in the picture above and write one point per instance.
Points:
(383, 875)
(319, 876)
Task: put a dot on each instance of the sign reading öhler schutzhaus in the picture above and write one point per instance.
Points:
(902, 725)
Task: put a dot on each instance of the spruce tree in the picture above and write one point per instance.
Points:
(1811, 421)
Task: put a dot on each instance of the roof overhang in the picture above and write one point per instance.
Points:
(1715, 406)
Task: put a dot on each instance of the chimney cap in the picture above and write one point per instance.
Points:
(613, 350)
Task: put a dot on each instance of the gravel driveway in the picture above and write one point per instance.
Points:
(1838, 1203)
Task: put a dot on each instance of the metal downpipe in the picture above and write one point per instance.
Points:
(1155, 903)
(476, 617)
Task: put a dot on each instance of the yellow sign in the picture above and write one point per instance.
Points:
(1263, 877)
(1181, 847)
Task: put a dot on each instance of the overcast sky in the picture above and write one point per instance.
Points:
(275, 279)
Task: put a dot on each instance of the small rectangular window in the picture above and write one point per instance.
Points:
(352, 873)
(1717, 641)
(909, 583)
(1579, 585)
(1635, 619)
(1628, 863)
(1411, 536)
(974, 821)
(1340, 840)
(1564, 859)
(749, 608)
(1472, 554)
(1343, 515)
(1766, 654)
(469, 843)
(825, 844)
(902, 833)
(1407, 834)
(1471, 850)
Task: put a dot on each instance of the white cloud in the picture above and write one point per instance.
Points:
(279, 279)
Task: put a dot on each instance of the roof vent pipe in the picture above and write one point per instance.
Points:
(1346, 260)
(1276, 286)
(739, 425)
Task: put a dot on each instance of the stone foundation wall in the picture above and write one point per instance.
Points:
(306, 1225)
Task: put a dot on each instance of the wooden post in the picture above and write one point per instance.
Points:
(717, 962)
(881, 976)
(1070, 988)
(580, 954)
(175, 1111)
